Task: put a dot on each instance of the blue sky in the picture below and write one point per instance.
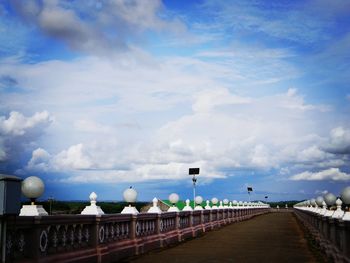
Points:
(101, 95)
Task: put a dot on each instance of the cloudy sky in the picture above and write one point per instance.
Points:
(99, 95)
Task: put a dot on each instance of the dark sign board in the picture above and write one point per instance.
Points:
(250, 189)
(192, 171)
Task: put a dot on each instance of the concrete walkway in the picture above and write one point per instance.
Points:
(274, 237)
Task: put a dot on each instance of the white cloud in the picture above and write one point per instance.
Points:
(17, 124)
(18, 132)
(73, 158)
(39, 160)
(333, 174)
(312, 154)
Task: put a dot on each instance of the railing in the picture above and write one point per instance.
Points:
(108, 238)
(331, 234)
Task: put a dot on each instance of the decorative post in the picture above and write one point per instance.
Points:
(187, 206)
(155, 208)
(338, 213)
(207, 206)
(92, 209)
(10, 203)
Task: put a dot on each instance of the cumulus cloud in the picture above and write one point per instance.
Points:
(74, 158)
(17, 124)
(39, 160)
(95, 28)
(18, 131)
(333, 174)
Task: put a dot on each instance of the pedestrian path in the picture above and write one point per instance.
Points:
(273, 237)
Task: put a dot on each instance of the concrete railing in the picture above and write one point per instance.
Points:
(331, 234)
(109, 238)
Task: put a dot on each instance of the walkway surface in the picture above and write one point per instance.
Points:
(273, 237)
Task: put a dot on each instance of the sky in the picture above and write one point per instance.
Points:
(100, 95)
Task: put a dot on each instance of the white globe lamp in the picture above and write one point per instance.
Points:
(130, 196)
(214, 201)
(225, 201)
(330, 199)
(345, 195)
(198, 200)
(174, 198)
(32, 187)
(319, 201)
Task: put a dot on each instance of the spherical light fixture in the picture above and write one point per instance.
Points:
(33, 187)
(345, 195)
(130, 195)
(330, 199)
(319, 200)
(198, 200)
(234, 202)
(214, 200)
(174, 198)
(225, 201)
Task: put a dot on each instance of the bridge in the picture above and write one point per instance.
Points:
(232, 231)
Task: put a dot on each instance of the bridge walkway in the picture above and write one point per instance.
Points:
(273, 237)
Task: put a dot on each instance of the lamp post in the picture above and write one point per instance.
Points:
(130, 196)
(249, 189)
(194, 172)
(33, 187)
(345, 196)
(174, 198)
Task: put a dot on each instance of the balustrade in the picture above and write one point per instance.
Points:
(90, 237)
(331, 234)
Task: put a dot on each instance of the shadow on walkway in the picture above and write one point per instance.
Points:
(274, 237)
